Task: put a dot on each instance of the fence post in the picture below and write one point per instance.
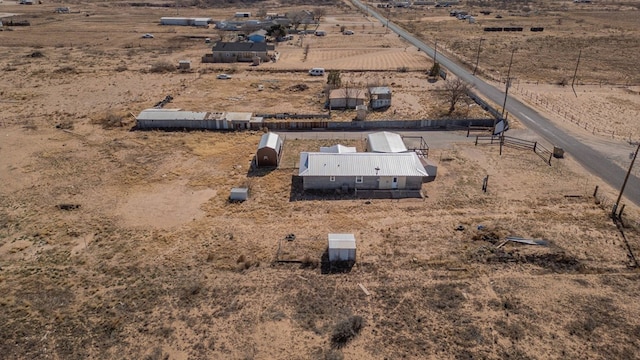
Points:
(550, 155)
(595, 192)
(535, 145)
(468, 129)
(501, 143)
(476, 140)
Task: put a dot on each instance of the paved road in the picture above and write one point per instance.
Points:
(595, 161)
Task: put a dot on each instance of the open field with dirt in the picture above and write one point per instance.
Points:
(122, 244)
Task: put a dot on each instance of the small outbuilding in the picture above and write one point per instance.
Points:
(269, 150)
(379, 97)
(385, 142)
(342, 247)
(184, 64)
(259, 36)
(346, 98)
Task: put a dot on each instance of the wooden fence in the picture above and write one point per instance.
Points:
(513, 142)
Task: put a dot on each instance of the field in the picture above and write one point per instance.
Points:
(122, 244)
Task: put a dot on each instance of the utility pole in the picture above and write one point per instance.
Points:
(478, 56)
(575, 73)
(435, 52)
(624, 183)
(506, 91)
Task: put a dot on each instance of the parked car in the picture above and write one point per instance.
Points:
(207, 41)
(147, 36)
(223, 76)
(348, 32)
(316, 72)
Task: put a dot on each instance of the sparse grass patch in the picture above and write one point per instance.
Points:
(346, 330)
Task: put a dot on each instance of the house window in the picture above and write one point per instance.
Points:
(332, 178)
(358, 179)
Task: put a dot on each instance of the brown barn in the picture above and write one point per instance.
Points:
(269, 150)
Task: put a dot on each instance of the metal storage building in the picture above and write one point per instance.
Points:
(179, 119)
(364, 171)
(342, 247)
(239, 194)
(385, 142)
(269, 150)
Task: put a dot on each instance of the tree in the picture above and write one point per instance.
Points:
(318, 13)
(277, 31)
(333, 79)
(455, 91)
(297, 18)
(261, 13)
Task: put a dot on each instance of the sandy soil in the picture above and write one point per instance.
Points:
(153, 262)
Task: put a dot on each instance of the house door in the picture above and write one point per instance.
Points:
(394, 183)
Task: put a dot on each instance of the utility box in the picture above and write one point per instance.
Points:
(558, 152)
(342, 247)
(239, 194)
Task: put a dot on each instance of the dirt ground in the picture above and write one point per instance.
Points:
(118, 243)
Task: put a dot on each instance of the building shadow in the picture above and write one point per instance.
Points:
(334, 267)
(259, 171)
(298, 193)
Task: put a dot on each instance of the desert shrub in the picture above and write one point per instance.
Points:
(121, 68)
(110, 120)
(162, 67)
(346, 330)
(68, 69)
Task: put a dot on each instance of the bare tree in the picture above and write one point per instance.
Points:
(455, 91)
(351, 92)
(297, 18)
(305, 52)
(261, 13)
(318, 13)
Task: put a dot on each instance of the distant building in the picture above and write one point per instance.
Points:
(227, 52)
(242, 14)
(179, 119)
(259, 36)
(185, 21)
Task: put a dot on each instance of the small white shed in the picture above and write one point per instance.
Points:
(342, 247)
(239, 194)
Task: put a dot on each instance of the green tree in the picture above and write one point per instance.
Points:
(333, 79)
(277, 31)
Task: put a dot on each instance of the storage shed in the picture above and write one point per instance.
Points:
(258, 36)
(342, 247)
(269, 150)
(385, 142)
(346, 98)
(380, 97)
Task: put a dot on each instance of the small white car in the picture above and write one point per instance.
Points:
(147, 36)
(223, 76)
(348, 32)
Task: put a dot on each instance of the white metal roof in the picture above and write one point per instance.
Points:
(270, 140)
(386, 142)
(361, 164)
(337, 149)
(171, 114)
(342, 241)
(238, 116)
(380, 90)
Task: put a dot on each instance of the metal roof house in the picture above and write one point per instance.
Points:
(379, 97)
(385, 142)
(342, 247)
(226, 52)
(269, 150)
(185, 21)
(361, 171)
